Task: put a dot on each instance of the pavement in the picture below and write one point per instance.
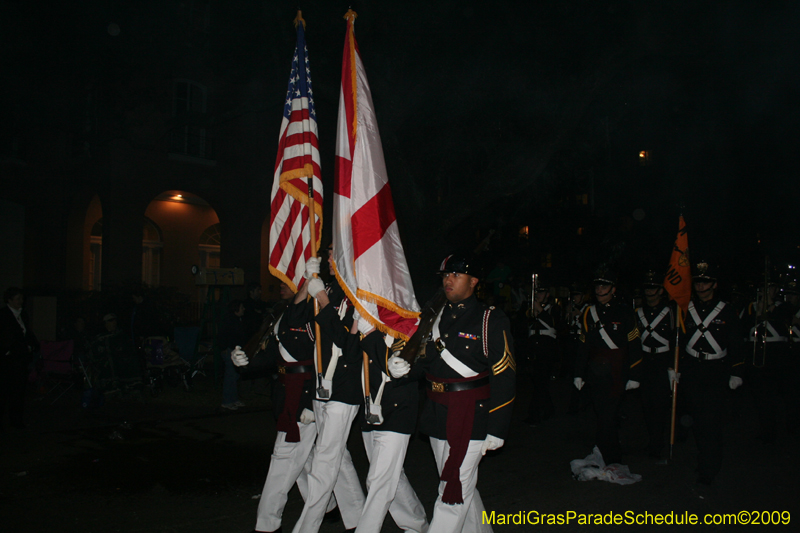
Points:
(178, 462)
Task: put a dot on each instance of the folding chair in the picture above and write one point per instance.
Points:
(58, 369)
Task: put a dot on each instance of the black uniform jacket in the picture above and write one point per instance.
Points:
(725, 329)
(664, 329)
(15, 345)
(544, 327)
(294, 336)
(400, 403)
(461, 329)
(347, 378)
(620, 323)
(543, 331)
(776, 328)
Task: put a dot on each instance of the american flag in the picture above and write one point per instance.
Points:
(368, 256)
(297, 163)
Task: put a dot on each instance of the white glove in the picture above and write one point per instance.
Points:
(312, 267)
(578, 382)
(238, 357)
(735, 382)
(631, 385)
(398, 367)
(491, 443)
(306, 417)
(315, 285)
(674, 377)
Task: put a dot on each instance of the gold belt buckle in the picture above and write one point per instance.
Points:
(281, 369)
(437, 387)
(439, 345)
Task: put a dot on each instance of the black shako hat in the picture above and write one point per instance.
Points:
(704, 271)
(605, 277)
(652, 279)
(461, 263)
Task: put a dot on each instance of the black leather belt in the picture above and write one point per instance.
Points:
(303, 369)
(435, 386)
(706, 356)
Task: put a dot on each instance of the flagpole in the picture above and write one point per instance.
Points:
(678, 285)
(674, 385)
(367, 411)
(312, 227)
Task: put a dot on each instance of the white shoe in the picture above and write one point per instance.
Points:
(231, 406)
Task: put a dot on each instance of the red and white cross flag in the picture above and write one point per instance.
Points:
(368, 256)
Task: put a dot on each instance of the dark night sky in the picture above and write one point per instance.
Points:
(493, 114)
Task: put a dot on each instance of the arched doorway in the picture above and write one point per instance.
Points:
(188, 229)
(152, 244)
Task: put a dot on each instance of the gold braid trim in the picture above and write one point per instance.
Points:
(501, 406)
(507, 361)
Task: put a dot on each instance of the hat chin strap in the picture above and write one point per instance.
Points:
(605, 293)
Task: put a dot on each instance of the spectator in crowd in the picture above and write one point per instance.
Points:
(17, 346)
(232, 335)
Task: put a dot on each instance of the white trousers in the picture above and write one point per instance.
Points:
(466, 517)
(289, 464)
(332, 469)
(388, 488)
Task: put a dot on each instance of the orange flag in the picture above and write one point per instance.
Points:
(678, 280)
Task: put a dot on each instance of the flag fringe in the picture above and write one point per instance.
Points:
(281, 276)
(383, 302)
(363, 312)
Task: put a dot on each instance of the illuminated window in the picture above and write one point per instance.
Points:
(209, 247)
(645, 157)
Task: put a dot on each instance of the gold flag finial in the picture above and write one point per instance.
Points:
(351, 15)
(299, 19)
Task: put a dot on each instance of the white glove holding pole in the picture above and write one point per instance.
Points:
(238, 357)
(306, 417)
(491, 443)
(315, 286)
(735, 382)
(578, 382)
(398, 367)
(631, 384)
(312, 267)
(674, 378)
